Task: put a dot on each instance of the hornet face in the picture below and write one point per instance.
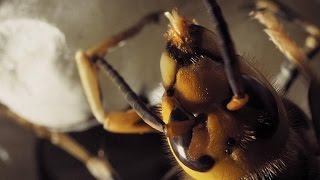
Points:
(207, 139)
(221, 117)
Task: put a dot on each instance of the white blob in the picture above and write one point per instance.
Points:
(155, 96)
(4, 155)
(39, 80)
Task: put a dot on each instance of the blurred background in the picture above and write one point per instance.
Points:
(85, 23)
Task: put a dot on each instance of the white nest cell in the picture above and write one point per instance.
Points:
(38, 76)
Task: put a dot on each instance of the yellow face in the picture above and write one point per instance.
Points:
(235, 140)
(207, 140)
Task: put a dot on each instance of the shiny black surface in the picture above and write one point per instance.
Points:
(180, 144)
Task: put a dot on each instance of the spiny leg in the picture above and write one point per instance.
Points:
(121, 122)
(283, 41)
(284, 12)
(289, 71)
(98, 167)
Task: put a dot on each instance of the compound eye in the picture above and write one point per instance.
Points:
(181, 127)
(264, 103)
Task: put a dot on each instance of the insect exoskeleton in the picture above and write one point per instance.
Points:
(209, 140)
